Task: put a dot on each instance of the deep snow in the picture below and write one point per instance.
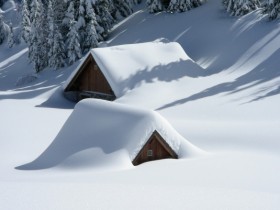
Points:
(230, 110)
(119, 131)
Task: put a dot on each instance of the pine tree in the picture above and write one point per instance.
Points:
(26, 26)
(11, 38)
(180, 5)
(3, 30)
(103, 16)
(173, 5)
(136, 1)
(76, 5)
(123, 7)
(91, 36)
(56, 56)
(87, 26)
(81, 23)
(196, 3)
(240, 7)
(43, 32)
(38, 36)
(272, 8)
(155, 6)
(73, 39)
(60, 10)
(69, 15)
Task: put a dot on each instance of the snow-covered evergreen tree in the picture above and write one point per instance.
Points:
(43, 32)
(155, 6)
(2, 30)
(26, 26)
(197, 3)
(87, 26)
(123, 7)
(69, 15)
(103, 16)
(172, 5)
(180, 5)
(136, 1)
(240, 7)
(73, 39)
(37, 46)
(81, 23)
(56, 55)
(272, 8)
(76, 5)
(59, 10)
(11, 38)
(91, 36)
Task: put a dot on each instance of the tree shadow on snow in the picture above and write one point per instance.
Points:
(165, 73)
(263, 73)
(46, 81)
(57, 100)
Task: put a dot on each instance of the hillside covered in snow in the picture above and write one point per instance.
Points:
(228, 108)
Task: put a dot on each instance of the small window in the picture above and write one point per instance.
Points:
(95, 67)
(150, 153)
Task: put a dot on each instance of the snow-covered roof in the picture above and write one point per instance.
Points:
(122, 64)
(111, 127)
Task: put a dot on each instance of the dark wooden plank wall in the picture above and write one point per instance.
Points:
(92, 79)
(158, 150)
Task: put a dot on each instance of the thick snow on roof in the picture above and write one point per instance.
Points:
(114, 128)
(122, 65)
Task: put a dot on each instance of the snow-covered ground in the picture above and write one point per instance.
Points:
(230, 110)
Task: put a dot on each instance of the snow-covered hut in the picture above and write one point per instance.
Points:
(109, 72)
(126, 134)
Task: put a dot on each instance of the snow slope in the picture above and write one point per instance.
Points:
(230, 110)
(236, 99)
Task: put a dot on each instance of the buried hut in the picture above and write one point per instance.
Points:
(109, 72)
(116, 133)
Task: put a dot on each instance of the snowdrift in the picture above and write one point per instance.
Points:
(118, 130)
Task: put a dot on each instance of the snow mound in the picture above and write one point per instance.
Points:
(26, 79)
(125, 66)
(115, 129)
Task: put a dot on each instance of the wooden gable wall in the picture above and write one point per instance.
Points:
(155, 149)
(90, 79)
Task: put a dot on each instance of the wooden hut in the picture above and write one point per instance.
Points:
(155, 148)
(89, 82)
(111, 72)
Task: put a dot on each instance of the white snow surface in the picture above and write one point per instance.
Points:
(111, 128)
(125, 66)
(231, 111)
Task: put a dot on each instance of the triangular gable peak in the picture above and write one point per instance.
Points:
(89, 82)
(156, 148)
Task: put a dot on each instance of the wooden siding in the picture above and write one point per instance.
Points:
(90, 78)
(155, 149)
